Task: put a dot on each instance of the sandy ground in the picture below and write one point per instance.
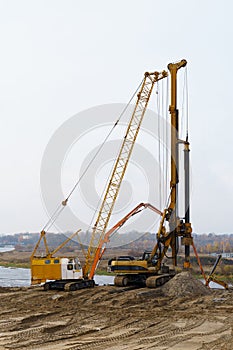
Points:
(116, 318)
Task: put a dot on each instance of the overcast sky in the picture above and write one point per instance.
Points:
(61, 57)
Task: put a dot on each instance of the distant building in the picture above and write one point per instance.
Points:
(224, 255)
(227, 255)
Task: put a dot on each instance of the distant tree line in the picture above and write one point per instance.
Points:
(206, 243)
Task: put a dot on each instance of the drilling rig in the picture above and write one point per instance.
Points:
(149, 270)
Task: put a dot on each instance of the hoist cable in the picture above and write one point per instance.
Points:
(50, 224)
(52, 217)
(61, 206)
(110, 173)
(167, 137)
(163, 135)
(100, 198)
(185, 105)
(103, 143)
(187, 102)
(159, 143)
(164, 141)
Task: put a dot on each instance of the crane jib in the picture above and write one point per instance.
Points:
(120, 166)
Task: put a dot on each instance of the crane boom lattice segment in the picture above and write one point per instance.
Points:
(120, 166)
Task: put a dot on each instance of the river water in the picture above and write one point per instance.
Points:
(5, 248)
(18, 277)
(14, 277)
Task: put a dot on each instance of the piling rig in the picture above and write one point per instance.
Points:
(150, 270)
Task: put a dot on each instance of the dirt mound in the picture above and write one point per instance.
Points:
(184, 284)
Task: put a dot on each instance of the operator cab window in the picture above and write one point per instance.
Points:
(77, 266)
(70, 267)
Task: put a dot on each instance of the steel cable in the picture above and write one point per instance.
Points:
(61, 206)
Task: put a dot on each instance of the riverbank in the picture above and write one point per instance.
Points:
(16, 265)
(21, 259)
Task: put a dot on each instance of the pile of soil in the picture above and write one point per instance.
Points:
(185, 284)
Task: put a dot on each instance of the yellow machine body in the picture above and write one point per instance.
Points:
(45, 269)
(129, 266)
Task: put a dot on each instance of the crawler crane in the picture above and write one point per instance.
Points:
(54, 268)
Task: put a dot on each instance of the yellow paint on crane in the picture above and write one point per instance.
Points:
(43, 269)
(55, 268)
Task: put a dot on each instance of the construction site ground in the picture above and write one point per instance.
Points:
(183, 314)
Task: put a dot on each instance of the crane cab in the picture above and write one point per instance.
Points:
(59, 268)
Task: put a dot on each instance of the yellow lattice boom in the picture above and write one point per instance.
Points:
(120, 166)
